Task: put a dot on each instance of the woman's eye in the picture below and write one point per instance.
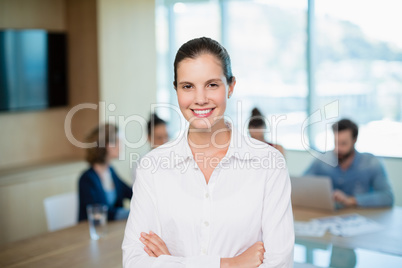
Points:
(186, 86)
(213, 85)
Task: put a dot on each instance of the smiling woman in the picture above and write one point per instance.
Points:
(219, 200)
(203, 100)
(203, 79)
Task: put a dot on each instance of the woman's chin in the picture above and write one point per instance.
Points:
(200, 123)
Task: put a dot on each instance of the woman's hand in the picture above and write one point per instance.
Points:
(251, 258)
(154, 245)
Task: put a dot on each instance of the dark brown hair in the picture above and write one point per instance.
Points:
(154, 121)
(204, 45)
(257, 119)
(103, 135)
(345, 124)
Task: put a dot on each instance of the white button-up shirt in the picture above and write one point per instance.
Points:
(246, 200)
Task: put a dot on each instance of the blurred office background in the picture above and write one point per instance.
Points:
(291, 58)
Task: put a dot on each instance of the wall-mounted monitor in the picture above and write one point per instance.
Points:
(33, 70)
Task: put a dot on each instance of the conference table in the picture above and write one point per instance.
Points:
(382, 248)
(72, 247)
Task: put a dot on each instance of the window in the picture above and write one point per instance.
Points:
(359, 63)
(354, 68)
(266, 41)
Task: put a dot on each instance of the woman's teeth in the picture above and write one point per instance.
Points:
(201, 112)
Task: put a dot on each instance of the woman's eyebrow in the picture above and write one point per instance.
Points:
(214, 80)
(184, 82)
(206, 82)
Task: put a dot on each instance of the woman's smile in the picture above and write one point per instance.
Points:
(202, 113)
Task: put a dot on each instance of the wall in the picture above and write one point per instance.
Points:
(298, 161)
(35, 155)
(22, 195)
(32, 137)
(82, 32)
(38, 136)
(40, 14)
(127, 58)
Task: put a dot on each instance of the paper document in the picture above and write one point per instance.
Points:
(348, 225)
(309, 229)
(342, 225)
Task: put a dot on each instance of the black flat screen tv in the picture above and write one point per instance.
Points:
(33, 70)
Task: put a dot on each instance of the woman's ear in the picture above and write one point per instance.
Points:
(174, 85)
(231, 87)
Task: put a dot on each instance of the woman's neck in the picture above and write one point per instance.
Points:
(218, 137)
(100, 168)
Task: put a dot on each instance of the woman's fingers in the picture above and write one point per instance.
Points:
(154, 243)
(262, 256)
(154, 239)
(159, 242)
(151, 246)
(252, 257)
(149, 252)
(260, 250)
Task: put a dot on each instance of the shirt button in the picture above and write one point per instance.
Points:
(206, 223)
(207, 195)
(204, 251)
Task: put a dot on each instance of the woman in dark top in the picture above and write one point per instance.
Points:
(257, 128)
(100, 184)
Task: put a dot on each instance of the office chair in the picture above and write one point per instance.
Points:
(61, 210)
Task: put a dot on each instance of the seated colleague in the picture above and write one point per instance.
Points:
(359, 179)
(156, 131)
(257, 129)
(100, 184)
(156, 134)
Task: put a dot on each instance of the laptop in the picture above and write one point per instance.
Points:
(312, 192)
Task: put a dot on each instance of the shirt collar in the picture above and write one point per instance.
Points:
(356, 159)
(238, 147)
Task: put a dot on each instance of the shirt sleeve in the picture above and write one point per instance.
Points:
(381, 194)
(143, 218)
(277, 220)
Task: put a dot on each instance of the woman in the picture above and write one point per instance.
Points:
(257, 129)
(211, 198)
(100, 184)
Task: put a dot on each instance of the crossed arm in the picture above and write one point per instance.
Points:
(252, 257)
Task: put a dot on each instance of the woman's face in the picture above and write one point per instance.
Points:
(113, 149)
(159, 136)
(202, 90)
(258, 133)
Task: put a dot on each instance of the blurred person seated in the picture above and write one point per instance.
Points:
(358, 179)
(257, 129)
(157, 131)
(157, 135)
(100, 184)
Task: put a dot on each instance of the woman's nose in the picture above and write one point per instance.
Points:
(201, 97)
